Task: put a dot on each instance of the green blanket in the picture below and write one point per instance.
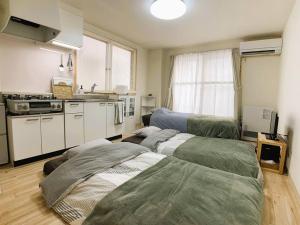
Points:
(207, 126)
(229, 155)
(178, 192)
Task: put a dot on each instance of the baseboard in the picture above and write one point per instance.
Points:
(37, 158)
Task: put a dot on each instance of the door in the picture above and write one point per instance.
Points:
(53, 133)
(25, 137)
(112, 129)
(94, 120)
(74, 129)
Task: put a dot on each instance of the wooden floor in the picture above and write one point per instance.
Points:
(21, 202)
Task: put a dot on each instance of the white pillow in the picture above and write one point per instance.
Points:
(84, 147)
(146, 131)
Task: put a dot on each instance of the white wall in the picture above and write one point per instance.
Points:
(289, 107)
(155, 67)
(25, 67)
(260, 76)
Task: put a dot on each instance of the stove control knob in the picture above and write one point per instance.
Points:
(58, 106)
(25, 107)
(53, 106)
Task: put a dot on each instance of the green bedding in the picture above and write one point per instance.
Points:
(207, 126)
(177, 192)
(229, 155)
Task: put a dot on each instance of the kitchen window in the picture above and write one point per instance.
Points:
(105, 63)
(91, 62)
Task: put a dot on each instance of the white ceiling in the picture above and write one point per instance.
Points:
(205, 20)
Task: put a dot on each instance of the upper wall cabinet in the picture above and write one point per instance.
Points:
(71, 35)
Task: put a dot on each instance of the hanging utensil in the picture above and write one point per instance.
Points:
(61, 66)
(70, 63)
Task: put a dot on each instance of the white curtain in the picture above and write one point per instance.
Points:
(203, 83)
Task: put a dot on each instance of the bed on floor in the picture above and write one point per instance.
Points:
(125, 183)
(206, 126)
(229, 155)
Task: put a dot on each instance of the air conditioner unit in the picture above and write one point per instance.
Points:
(261, 47)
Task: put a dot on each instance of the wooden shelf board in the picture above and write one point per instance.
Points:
(270, 166)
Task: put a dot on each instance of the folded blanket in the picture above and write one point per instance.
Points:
(82, 166)
(176, 192)
(207, 126)
(153, 140)
(229, 155)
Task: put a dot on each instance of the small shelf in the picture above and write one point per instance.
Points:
(276, 167)
(148, 104)
(273, 167)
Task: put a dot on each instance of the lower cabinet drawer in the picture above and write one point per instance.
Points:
(73, 107)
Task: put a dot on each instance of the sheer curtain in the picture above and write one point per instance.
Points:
(203, 83)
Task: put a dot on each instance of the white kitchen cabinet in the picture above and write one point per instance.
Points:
(24, 137)
(74, 129)
(130, 124)
(74, 107)
(112, 129)
(71, 30)
(53, 133)
(94, 120)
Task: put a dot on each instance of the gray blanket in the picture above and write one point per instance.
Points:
(79, 168)
(166, 119)
(153, 140)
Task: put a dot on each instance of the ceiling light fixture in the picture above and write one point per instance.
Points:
(168, 9)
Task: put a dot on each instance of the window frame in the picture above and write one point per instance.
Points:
(108, 68)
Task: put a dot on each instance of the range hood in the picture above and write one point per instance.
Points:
(33, 19)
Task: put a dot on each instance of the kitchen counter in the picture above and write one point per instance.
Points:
(34, 115)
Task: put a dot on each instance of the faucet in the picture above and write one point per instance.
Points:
(93, 88)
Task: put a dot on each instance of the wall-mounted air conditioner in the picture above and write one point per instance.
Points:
(261, 47)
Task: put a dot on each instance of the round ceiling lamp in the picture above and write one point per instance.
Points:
(168, 9)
